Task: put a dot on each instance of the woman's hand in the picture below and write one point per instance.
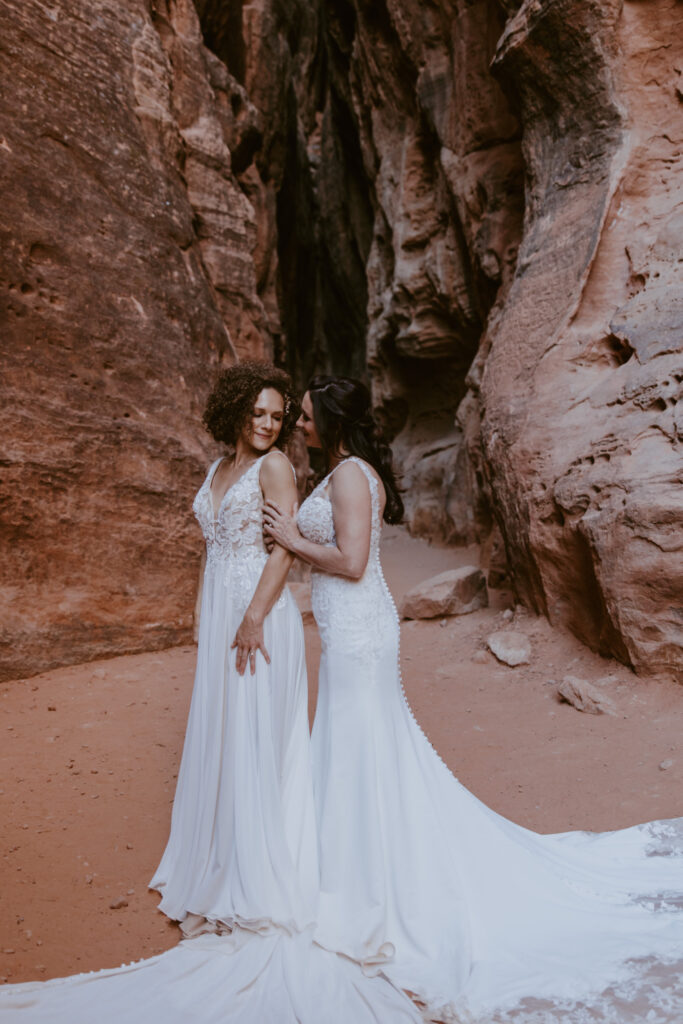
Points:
(280, 527)
(248, 640)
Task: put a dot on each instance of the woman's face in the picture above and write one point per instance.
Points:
(263, 427)
(306, 423)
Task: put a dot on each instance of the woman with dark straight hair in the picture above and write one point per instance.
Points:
(478, 918)
(343, 416)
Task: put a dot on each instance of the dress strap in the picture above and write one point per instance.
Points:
(358, 461)
(212, 469)
(367, 472)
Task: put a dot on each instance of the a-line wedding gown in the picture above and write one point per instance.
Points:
(238, 852)
(242, 852)
(481, 919)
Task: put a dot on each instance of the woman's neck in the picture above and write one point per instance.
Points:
(244, 453)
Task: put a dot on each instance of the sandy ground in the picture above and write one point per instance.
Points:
(90, 753)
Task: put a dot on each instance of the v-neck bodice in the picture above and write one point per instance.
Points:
(236, 531)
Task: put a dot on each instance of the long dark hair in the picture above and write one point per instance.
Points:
(342, 413)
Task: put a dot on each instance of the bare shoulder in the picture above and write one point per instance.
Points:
(349, 480)
(277, 470)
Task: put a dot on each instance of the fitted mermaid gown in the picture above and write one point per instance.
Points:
(242, 853)
(481, 919)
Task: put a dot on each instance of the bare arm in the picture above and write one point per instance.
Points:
(277, 484)
(352, 513)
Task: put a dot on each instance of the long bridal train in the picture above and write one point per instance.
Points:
(479, 918)
(242, 978)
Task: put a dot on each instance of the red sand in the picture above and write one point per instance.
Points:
(90, 756)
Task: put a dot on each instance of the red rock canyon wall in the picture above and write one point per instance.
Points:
(578, 377)
(130, 265)
(476, 203)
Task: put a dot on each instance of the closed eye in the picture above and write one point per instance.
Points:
(264, 412)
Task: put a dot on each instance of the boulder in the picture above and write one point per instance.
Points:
(584, 696)
(455, 592)
(510, 647)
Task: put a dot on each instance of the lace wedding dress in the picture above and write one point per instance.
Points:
(481, 919)
(242, 854)
(238, 852)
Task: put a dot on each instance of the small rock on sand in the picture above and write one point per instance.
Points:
(455, 592)
(510, 647)
(583, 696)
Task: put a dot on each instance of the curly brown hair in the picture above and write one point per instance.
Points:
(234, 393)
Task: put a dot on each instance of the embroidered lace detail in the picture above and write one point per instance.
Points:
(234, 540)
(352, 615)
(650, 991)
(667, 837)
(358, 617)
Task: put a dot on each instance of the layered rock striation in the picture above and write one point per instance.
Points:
(579, 374)
(394, 157)
(508, 177)
(128, 271)
(476, 204)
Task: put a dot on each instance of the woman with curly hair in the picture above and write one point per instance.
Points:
(241, 861)
(234, 855)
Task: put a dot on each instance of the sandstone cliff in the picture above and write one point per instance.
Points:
(580, 371)
(474, 202)
(508, 177)
(128, 270)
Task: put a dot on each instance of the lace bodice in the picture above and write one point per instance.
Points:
(235, 552)
(354, 616)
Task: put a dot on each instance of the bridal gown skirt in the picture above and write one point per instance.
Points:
(242, 848)
(242, 853)
(242, 978)
(479, 918)
(482, 920)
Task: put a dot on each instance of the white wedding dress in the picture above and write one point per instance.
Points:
(240, 850)
(484, 921)
(242, 854)
(410, 883)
